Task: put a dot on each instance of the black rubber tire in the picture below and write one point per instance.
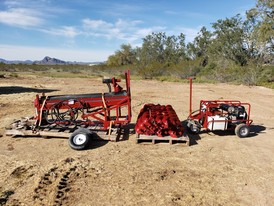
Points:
(242, 130)
(80, 139)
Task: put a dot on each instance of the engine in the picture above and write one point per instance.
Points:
(234, 112)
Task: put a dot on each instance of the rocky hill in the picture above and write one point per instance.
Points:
(50, 61)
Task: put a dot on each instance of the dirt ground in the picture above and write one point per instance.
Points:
(213, 170)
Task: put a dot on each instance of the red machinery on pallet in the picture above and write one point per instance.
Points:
(82, 114)
(158, 120)
(159, 123)
(220, 115)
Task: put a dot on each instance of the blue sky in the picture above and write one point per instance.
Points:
(91, 30)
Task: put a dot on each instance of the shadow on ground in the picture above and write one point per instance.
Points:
(19, 89)
(127, 131)
(255, 130)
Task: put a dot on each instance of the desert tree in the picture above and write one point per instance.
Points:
(228, 41)
(125, 56)
(198, 49)
(263, 17)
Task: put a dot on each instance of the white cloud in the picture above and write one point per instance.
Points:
(21, 17)
(96, 24)
(15, 3)
(127, 24)
(11, 52)
(65, 31)
(125, 30)
(29, 14)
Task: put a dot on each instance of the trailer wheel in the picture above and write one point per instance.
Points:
(242, 130)
(80, 139)
(193, 128)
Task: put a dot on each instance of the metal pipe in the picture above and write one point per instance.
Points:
(190, 96)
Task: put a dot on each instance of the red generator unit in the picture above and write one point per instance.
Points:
(220, 115)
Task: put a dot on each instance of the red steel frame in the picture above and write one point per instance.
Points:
(208, 108)
(99, 107)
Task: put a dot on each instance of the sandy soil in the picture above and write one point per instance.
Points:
(214, 170)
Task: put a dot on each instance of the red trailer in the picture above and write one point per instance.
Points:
(79, 116)
(220, 115)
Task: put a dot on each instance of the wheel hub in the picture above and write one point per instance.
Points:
(244, 131)
(79, 139)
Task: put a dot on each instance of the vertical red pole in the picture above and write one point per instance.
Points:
(190, 96)
(127, 76)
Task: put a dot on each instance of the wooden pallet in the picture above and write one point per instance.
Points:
(112, 134)
(140, 138)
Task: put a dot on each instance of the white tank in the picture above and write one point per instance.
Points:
(217, 122)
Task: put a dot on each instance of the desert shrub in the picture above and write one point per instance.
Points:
(250, 75)
(267, 74)
(184, 72)
(151, 70)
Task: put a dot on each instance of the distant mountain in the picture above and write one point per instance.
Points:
(15, 61)
(50, 61)
(47, 61)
